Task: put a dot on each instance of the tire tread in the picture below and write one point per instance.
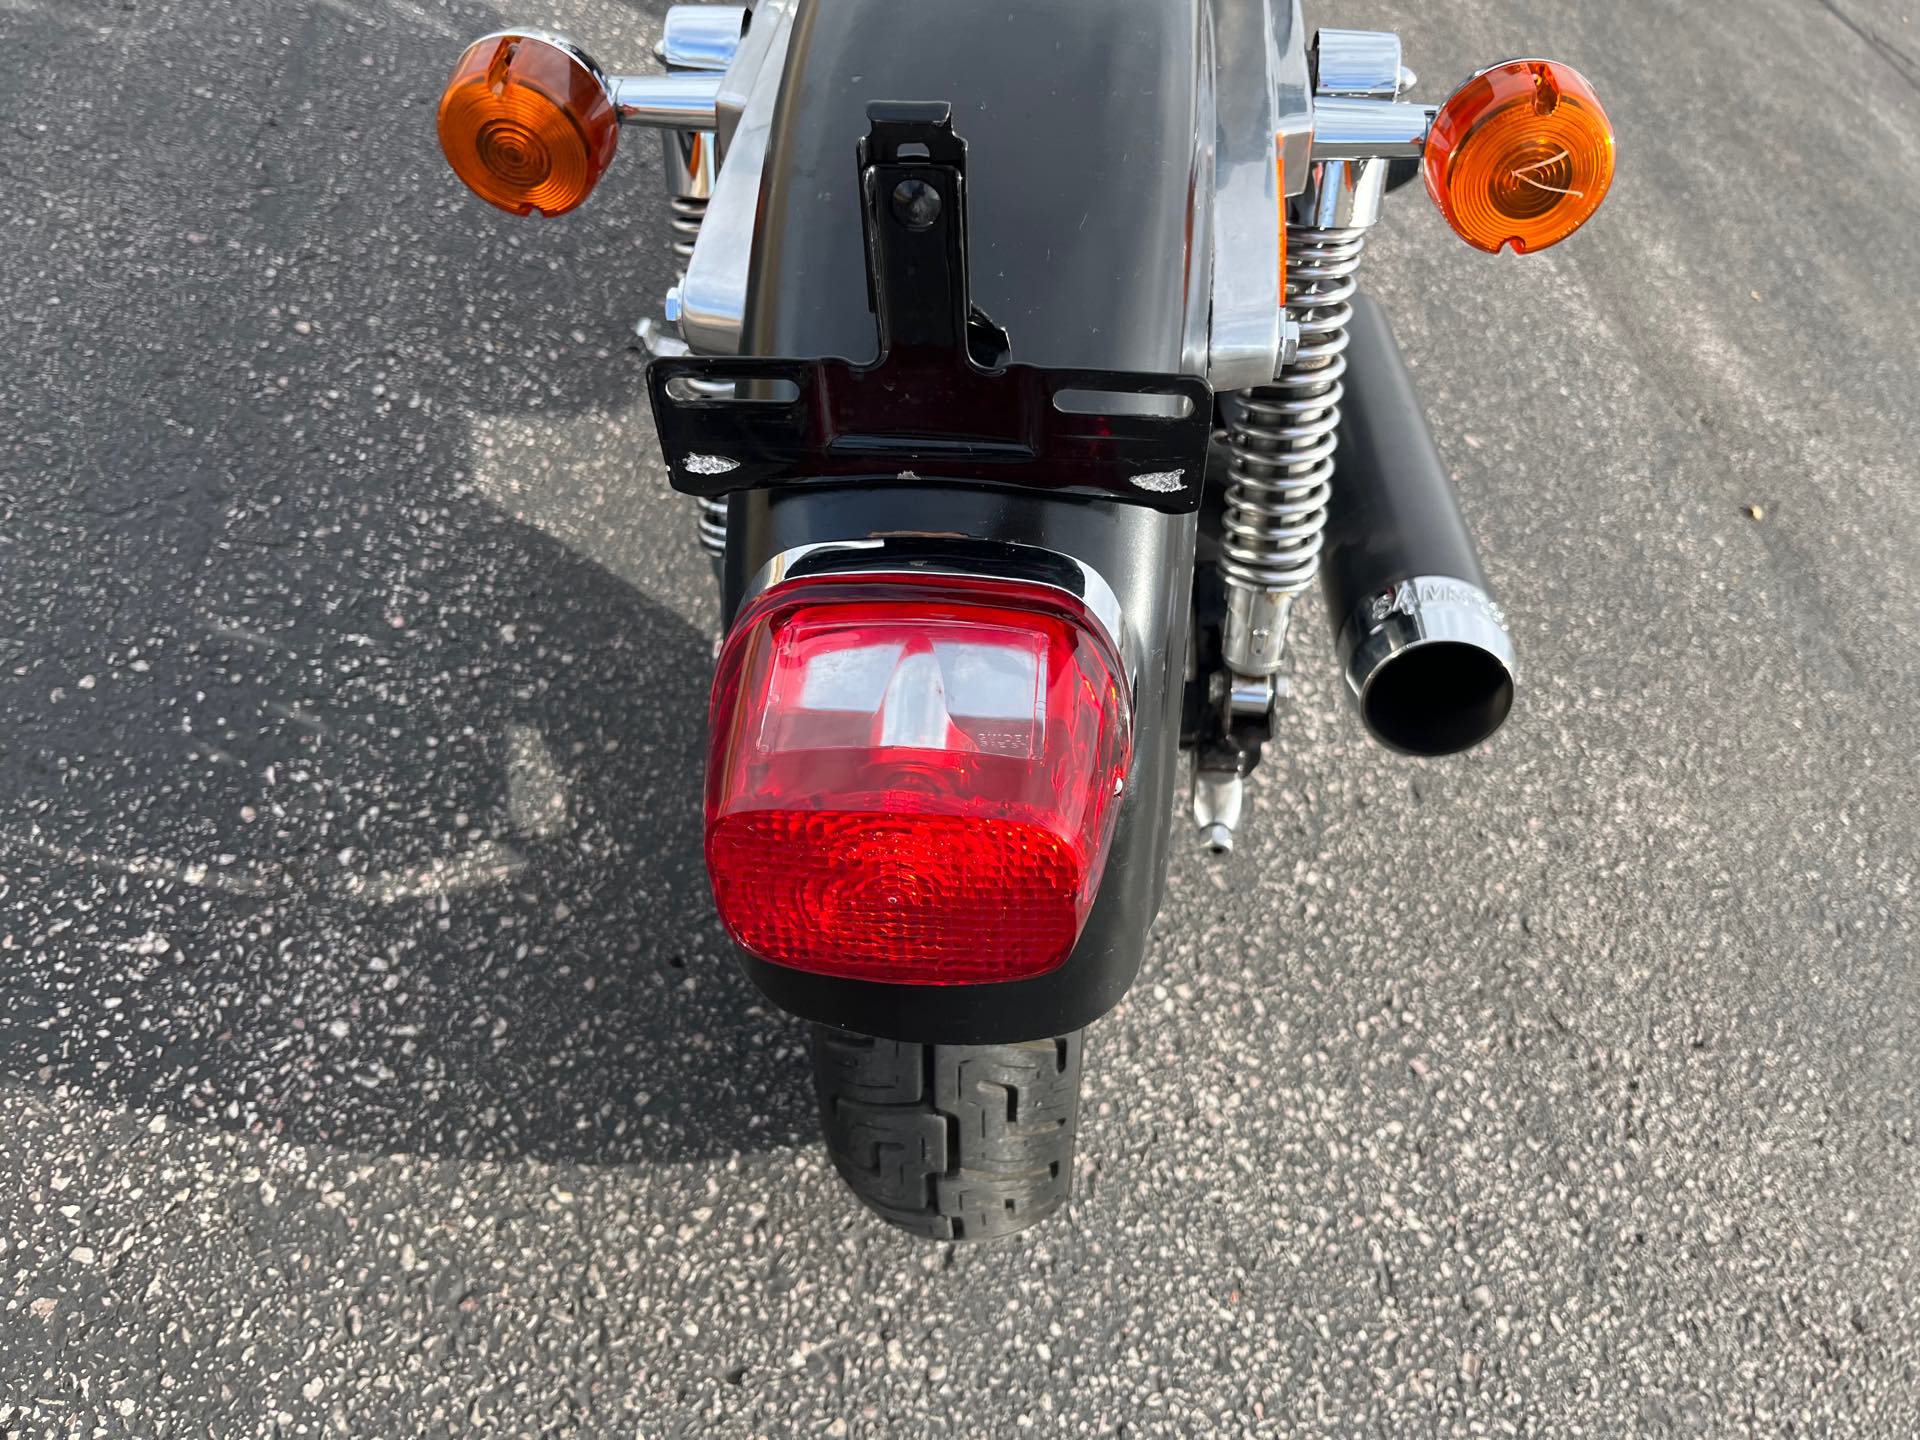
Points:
(952, 1142)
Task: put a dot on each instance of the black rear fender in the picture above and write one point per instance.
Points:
(1086, 196)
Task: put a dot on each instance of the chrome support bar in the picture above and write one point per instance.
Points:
(1196, 338)
(1263, 137)
(1292, 91)
(687, 157)
(1243, 346)
(713, 295)
(757, 65)
(1340, 195)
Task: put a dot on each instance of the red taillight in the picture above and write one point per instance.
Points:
(913, 781)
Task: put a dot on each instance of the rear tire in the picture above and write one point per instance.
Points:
(953, 1142)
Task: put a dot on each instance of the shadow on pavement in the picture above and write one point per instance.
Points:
(333, 801)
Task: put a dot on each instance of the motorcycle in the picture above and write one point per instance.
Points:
(1020, 380)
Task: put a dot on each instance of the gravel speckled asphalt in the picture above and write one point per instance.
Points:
(370, 1062)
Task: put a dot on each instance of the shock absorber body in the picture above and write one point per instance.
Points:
(684, 217)
(689, 157)
(696, 38)
(1281, 437)
(1280, 440)
(690, 168)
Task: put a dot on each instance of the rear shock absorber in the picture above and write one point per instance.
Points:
(689, 169)
(1281, 441)
(686, 212)
(1281, 437)
(695, 38)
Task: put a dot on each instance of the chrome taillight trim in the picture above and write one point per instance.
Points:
(933, 557)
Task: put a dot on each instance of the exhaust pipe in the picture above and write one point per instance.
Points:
(1425, 649)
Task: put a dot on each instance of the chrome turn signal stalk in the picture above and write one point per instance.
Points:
(679, 101)
(1370, 129)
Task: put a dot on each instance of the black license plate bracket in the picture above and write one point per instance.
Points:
(944, 400)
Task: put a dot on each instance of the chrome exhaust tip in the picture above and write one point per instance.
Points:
(1422, 642)
(1429, 665)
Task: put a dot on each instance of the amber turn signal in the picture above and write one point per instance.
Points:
(527, 124)
(1522, 155)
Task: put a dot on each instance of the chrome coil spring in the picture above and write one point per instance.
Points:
(685, 221)
(686, 215)
(712, 511)
(1281, 436)
(713, 525)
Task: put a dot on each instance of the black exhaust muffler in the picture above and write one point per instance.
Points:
(1425, 649)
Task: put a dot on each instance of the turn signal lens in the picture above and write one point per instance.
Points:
(1521, 155)
(914, 781)
(527, 124)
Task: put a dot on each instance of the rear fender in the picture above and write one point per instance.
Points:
(1088, 185)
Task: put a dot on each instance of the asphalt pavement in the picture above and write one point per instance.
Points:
(371, 1062)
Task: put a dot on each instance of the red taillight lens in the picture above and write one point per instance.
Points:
(912, 781)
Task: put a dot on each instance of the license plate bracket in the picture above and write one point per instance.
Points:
(944, 401)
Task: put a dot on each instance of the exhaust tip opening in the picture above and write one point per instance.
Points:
(1438, 698)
